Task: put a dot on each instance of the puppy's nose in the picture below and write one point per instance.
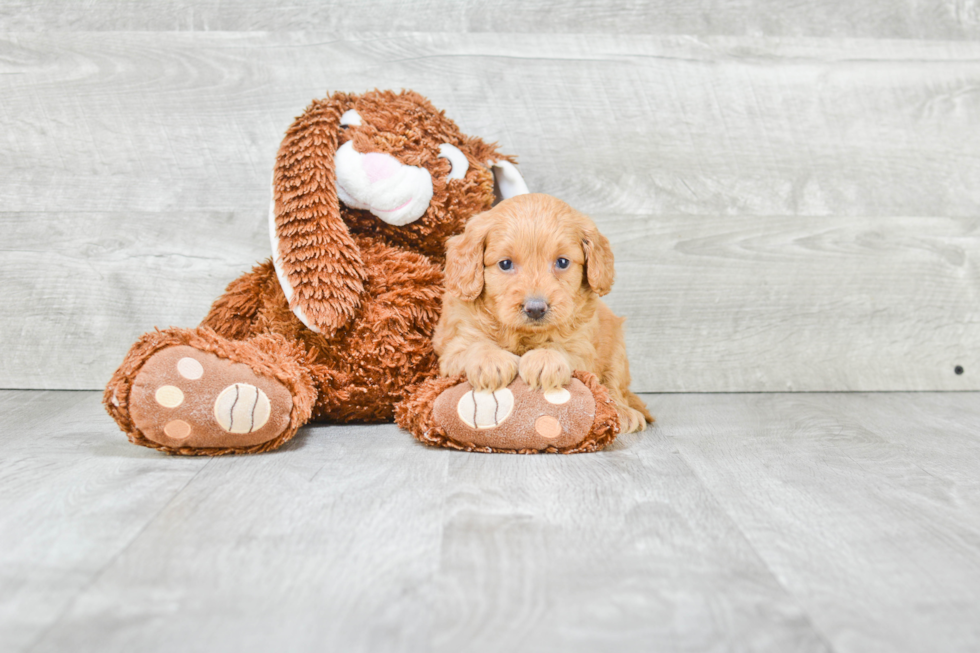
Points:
(535, 308)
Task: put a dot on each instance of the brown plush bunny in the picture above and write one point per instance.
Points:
(338, 324)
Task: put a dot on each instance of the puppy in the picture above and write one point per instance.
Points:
(523, 283)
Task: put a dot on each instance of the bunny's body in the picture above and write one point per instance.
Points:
(338, 324)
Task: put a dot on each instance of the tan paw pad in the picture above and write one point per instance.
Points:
(190, 368)
(177, 429)
(169, 396)
(242, 408)
(547, 427)
(557, 397)
(485, 409)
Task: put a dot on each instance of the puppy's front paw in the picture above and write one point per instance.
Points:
(545, 369)
(492, 370)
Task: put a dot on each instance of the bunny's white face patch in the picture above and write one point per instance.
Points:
(392, 191)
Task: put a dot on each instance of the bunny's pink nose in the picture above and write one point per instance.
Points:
(379, 166)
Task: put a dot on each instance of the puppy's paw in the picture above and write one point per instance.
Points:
(630, 420)
(545, 369)
(492, 370)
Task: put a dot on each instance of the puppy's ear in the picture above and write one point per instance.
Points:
(464, 259)
(599, 268)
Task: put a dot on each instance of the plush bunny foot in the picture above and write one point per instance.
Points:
(194, 392)
(183, 397)
(449, 413)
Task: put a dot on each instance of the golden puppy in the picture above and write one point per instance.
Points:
(523, 283)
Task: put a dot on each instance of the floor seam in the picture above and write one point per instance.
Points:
(714, 498)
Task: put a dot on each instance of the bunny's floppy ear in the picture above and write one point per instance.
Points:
(318, 264)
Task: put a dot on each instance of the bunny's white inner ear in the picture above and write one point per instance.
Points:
(456, 158)
(287, 288)
(509, 180)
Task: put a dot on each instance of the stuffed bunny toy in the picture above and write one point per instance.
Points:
(337, 325)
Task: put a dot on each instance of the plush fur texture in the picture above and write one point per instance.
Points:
(362, 370)
(370, 289)
(316, 232)
(553, 256)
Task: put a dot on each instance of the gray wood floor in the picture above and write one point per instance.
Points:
(762, 522)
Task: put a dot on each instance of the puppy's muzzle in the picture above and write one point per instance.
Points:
(535, 308)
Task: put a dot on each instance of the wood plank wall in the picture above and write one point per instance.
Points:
(793, 192)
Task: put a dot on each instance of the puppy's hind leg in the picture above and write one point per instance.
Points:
(637, 404)
(633, 413)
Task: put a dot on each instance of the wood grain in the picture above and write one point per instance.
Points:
(73, 495)
(323, 545)
(784, 303)
(621, 550)
(773, 522)
(358, 538)
(940, 19)
(860, 507)
(106, 279)
(788, 213)
(639, 125)
(713, 304)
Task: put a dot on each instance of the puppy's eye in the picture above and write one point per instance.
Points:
(506, 265)
(562, 263)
